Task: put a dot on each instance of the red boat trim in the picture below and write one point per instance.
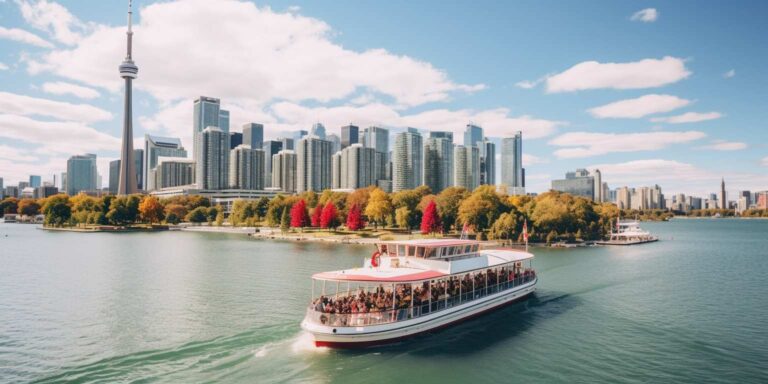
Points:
(413, 276)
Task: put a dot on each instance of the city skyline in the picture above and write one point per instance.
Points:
(693, 123)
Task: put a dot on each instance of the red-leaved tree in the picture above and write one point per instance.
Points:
(316, 215)
(299, 217)
(430, 221)
(355, 218)
(330, 218)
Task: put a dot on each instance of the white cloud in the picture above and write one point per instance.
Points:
(33, 106)
(586, 144)
(675, 176)
(528, 84)
(764, 161)
(257, 55)
(639, 107)
(53, 18)
(729, 74)
(23, 36)
(529, 159)
(648, 15)
(688, 117)
(647, 73)
(56, 137)
(722, 145)
(3, 67)
(15, 154)
(63, 88)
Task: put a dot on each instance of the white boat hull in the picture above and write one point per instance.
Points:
(352, 337)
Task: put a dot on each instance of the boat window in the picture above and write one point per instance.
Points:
(401, 250)
(468, 249)
(456, 250)
(420, 252)
(430, 253)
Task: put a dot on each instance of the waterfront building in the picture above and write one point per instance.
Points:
(172, 172)
(473, 137)
(488, 163)
(598, 188)
(246, 168)
(35, 181)
(353, 167)
(349, 135)
(438, 163)
(23, 184)
(253, 135)
(44, 191)
(63, 182)
(335, 142)
(214, 154)
(623, 198)
(761, 200)
(157, 146)
(114, 172)
(318, 129)
(284, 171)
(11, 191)
(579, 183)
(82, 174)
(694, 202)
(235, 139)
(206, 113)
(378, 139)
(114, 175)
(441, 135)
(466, 171)
(270, 148)
(406, 160)
(313, 164)
(127, 183)
(512, 175)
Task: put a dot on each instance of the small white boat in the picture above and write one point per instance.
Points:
(628, 232)
(410, 287)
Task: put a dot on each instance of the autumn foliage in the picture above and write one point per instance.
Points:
(355, 218)
(329, 218)
(316, 213)
(299, 217)
(430, 221)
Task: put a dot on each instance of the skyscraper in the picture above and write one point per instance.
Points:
(488, 163)
(438, 163)
(318, 129)
(353, 167)
(253, 135)
(335, 142)
(466, 171)
(473, 137)
(35, 181)
(215, 159)
(598, 188)
(623, 198)
(512, 163)
(246, 168)
(114, 175)
(114, 172)
(223, 120)
(378, 139)
(723, 197)
(206, 114)
(270, 148)
(155, 147)
(406, 160)
(284, 171)
(313, 164)
(441, 135)
(349, 135)
(235, 139)
(82, 174)
(128, 71)
(171, 172)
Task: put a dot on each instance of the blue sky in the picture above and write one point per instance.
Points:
(674, 96)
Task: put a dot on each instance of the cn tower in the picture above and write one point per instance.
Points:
(128, 71)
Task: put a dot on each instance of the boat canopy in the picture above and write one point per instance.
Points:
(429, 248)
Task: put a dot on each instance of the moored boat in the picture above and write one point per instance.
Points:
(415, 286)
(628, 232)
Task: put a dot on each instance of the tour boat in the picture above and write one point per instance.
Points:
(628, 232)
(410, 287)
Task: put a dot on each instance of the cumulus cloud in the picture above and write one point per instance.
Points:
(587, 144)
(529, 159)
(729, 74)
(647, 73)
(258, 54)
(63, 88)
(723, 145)
(688, 117)
(648, 15)
(52, 18)
(23, 36)
(33, 106)
(3, 67)
(764, 161)
(56, 137)
(639, 107)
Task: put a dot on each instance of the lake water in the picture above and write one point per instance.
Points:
(193, 307)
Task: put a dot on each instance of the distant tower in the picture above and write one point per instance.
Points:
(128, 71)
(723, 200)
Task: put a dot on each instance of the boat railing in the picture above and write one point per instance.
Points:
(376, 317)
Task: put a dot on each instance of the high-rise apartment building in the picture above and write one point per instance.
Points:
(35, 181)
(171, 172)
(512, 164)
(81, 174)
(155, 147)
(466, 168)
(438, 163)
(488, 163)
(378, 139)
(598, 188)
(579, 183)
(349, 135)
(284, 171)
(270, 148)
(335, 142)
(624, 198)
(441, 135)
(318, 129)
(473, 137)
(406, 160)
(214, 155)
(353, 167)
(207, 113)
(313, 164)
(253, 135)
(246, 168)
(235, 139)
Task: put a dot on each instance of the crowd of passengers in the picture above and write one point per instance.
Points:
(382, 299)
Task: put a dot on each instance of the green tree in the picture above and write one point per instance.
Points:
(57, 210)
(285, 220)
(402, 215)
(124, 210)
(504, 227)
(448, 202)
(481, 208)
(197, 215)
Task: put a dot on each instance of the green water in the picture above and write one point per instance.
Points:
(191, 307)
